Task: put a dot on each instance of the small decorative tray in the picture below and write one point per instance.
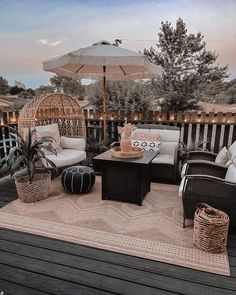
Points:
(136, 152)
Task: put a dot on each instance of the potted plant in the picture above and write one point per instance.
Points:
(27, 162)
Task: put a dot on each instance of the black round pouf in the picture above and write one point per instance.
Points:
(78, 179)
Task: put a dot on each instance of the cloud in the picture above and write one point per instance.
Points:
(49, 43)
(43, 41)
(55, 43)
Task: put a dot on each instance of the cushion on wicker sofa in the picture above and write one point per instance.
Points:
(70, 150)
(182, 185)
(231, 173)
(67, 157)
(164, 164)
(223, 156)
(73, 143)
(51, 130)
(232, 151)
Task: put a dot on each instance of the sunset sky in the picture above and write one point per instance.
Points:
(33, 31)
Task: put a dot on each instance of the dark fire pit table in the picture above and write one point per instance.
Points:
(126, 180)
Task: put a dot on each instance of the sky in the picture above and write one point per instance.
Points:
(32, 31)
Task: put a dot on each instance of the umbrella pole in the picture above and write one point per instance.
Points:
(104, 104)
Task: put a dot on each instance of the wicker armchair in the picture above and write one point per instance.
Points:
(212, 189)
(202, 155)
(205, 167)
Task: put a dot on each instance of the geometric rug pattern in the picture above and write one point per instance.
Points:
(153, 230)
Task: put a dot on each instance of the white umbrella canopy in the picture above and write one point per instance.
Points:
(104, 61)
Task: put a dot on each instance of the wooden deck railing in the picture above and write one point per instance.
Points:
(215, 130)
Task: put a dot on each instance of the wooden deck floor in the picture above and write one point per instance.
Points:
(34, 265)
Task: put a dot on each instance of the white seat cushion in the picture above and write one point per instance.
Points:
(231, 173)
(168, 148)
(183, 171)
(182, 186)
(67, 157)
(164, 159)
(222, 157)
(73, 143)
(232, 150)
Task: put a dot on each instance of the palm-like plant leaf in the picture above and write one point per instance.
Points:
(26, 153)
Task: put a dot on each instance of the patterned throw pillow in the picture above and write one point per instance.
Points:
(147, 145)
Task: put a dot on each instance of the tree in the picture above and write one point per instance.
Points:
(16, 90)
(3, 86)
(187, 66)
(213, 89)
(44, 89)
(124, 96)
(25, 95)
(231, 93)
(31, 91)
(19, 103)
(67, 85)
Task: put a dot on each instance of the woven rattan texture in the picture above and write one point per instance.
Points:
(216, 192)
(57, 108)
(210, 229)
(37, 190)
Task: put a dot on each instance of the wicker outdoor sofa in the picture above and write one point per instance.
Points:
(165, 165)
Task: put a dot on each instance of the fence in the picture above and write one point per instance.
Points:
(215, 130)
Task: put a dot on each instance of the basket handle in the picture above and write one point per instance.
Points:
(208, 209)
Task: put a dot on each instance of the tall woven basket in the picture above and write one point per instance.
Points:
(35, 191)
(210, 229)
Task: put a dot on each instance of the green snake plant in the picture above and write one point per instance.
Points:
(26, 153)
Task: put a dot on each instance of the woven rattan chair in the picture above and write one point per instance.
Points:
(58, 108)
(212, 189)
(67, 113)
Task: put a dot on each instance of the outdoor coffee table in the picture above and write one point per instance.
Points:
(126, 180)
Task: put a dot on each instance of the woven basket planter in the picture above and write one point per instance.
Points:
(210, 229)
(35, 191)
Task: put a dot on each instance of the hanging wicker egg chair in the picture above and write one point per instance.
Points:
(58, 108)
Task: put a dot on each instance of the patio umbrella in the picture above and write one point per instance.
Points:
(103, 61)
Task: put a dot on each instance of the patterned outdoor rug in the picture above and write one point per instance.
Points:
(152, 231)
